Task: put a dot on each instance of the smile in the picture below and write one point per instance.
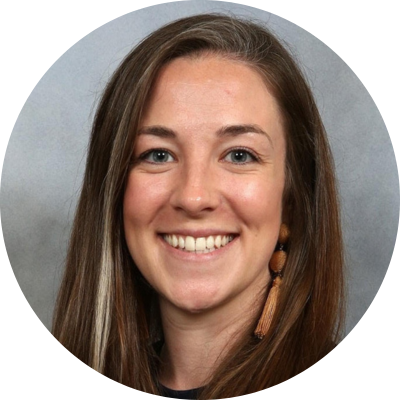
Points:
(200, 244)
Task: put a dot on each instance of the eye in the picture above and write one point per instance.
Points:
(157, 156)
(240, 156)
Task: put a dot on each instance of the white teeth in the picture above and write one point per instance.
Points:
(210, 242)
(190, 244)
(198, 245)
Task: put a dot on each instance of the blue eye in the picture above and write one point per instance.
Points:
(240, 156)
(158, 156)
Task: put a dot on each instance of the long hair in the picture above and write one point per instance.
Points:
(105, 312)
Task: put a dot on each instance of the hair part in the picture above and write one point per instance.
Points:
(103, 315)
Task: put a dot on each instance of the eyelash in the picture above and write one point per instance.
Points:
(254, 157)
(144, 155)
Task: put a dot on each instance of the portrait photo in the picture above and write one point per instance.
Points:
(200, 200)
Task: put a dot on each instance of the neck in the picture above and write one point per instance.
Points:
(196, 343)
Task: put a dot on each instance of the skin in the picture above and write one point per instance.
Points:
(200, 188)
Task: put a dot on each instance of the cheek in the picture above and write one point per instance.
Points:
(143, 197)
(256, 199)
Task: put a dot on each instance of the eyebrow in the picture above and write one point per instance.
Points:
(236, 130)
(229, 130)
(156, 130)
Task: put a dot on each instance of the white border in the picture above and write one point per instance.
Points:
(35, 34)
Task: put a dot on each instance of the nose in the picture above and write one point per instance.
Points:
(196, 191)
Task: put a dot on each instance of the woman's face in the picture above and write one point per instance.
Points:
(203, 203)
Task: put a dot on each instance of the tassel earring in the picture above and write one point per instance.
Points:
(276, 265)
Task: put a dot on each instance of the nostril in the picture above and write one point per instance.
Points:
(196, 190)
(194, 204)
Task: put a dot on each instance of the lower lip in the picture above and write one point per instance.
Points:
(192, 255)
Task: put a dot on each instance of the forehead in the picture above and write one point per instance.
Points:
(210, 72)
(210, 90)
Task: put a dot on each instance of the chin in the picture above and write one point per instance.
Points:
(196, 300)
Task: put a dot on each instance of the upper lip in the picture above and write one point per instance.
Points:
(199, 232)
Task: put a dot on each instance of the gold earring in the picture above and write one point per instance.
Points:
(276, 265)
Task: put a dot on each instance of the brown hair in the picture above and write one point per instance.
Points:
(104, 314)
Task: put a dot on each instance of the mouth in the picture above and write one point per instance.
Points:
(199, 245)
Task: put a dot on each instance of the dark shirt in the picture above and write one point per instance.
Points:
(179, 394)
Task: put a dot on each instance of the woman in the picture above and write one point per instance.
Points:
(206, 256)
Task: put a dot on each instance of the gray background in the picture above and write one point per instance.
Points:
(45, 157)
